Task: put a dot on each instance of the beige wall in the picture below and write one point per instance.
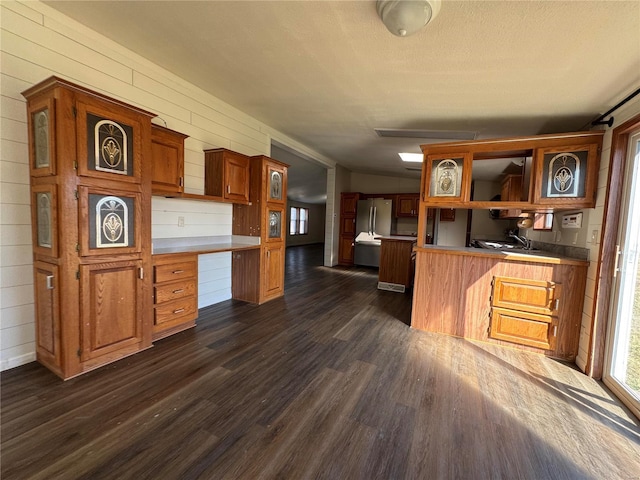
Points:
(38, 42)
(361, 182)
(316, 224)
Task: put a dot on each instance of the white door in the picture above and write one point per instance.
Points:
(622, 368)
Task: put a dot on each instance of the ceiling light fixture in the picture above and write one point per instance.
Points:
(406, 17)
(411, 157)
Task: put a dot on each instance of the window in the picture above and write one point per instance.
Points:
(299, 221)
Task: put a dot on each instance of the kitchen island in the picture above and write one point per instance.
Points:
(530, 300)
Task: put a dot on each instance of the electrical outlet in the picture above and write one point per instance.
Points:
(181, 221)
(558, 236)
(594, 236)
(575, 239)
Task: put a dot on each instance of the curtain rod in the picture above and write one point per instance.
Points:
(609, 123)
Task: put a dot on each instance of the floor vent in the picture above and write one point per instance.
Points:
(392, 287)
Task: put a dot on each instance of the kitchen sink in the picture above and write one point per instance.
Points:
(504, 246)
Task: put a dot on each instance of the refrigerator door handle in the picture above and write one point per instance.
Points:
(370, 232)
(373, 228)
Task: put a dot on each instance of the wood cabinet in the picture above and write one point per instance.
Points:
(524, 311)
(175, 293)
(47, 310)
(396, 264)
(258, 275)
(226, 175)
(557, 172)
(535, 304)
(167, 160)
(91, 195)
(348, 211)
(511, 191)
(407, 205)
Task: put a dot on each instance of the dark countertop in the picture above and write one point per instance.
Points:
(534, 256)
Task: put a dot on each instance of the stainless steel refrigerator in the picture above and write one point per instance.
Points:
(372, 222)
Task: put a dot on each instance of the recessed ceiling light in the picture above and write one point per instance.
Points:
(411, 157)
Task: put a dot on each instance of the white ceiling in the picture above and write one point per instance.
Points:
(328, 72)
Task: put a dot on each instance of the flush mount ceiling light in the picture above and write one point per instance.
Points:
(411, 157)
(406, 17)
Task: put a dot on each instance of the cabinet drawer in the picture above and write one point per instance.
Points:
(173, 291)
(524, 328)
(526, 295)
(174, 271)
(176, 311)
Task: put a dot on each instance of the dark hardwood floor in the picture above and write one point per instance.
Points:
(328, 382)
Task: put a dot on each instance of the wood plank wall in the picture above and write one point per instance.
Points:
(37, 42)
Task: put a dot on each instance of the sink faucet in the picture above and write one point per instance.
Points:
(526, 243)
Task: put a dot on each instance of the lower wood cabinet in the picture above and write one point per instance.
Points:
(110, 310)
(533, 305)
(396, 264)
(525, 311)
(273, 276)
(175, 293)
(47, 310)
(258, 273)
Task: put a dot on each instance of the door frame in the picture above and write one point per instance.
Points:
(608, 241)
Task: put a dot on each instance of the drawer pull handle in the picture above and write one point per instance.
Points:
(49, 282)
(555, 330)
(180, 290)
(179, 310)
(178, 271)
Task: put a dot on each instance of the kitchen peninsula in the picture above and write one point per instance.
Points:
(531, 300)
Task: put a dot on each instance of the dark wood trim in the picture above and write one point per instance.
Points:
(608, 241)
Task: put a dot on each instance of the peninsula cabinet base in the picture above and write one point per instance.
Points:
(454, 294)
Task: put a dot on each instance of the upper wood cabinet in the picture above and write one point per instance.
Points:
(109, 143)
(567, 176)
(407, 204)
(511, 192)
(557, 171)
(167, 158)
(226, 175)
(540, 173)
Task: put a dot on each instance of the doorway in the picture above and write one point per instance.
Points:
(622, 364)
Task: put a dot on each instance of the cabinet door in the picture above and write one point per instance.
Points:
(44, 219)
(567, 176)
(275, 225)
(349, 203)
(524, 328)
(276, 183)
(348, 226)
(167, 156)
(109, 221)
(345, 250)
(447, 178)
(110, 313)
(42, 137)
(236, 178)
(47, 310)
(109, 141)
(526, 295)
(511, 191)
(407, 205)
(273, 275)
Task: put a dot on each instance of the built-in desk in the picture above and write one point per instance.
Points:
(175, 277)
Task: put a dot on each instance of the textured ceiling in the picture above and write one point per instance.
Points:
(327, 73)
